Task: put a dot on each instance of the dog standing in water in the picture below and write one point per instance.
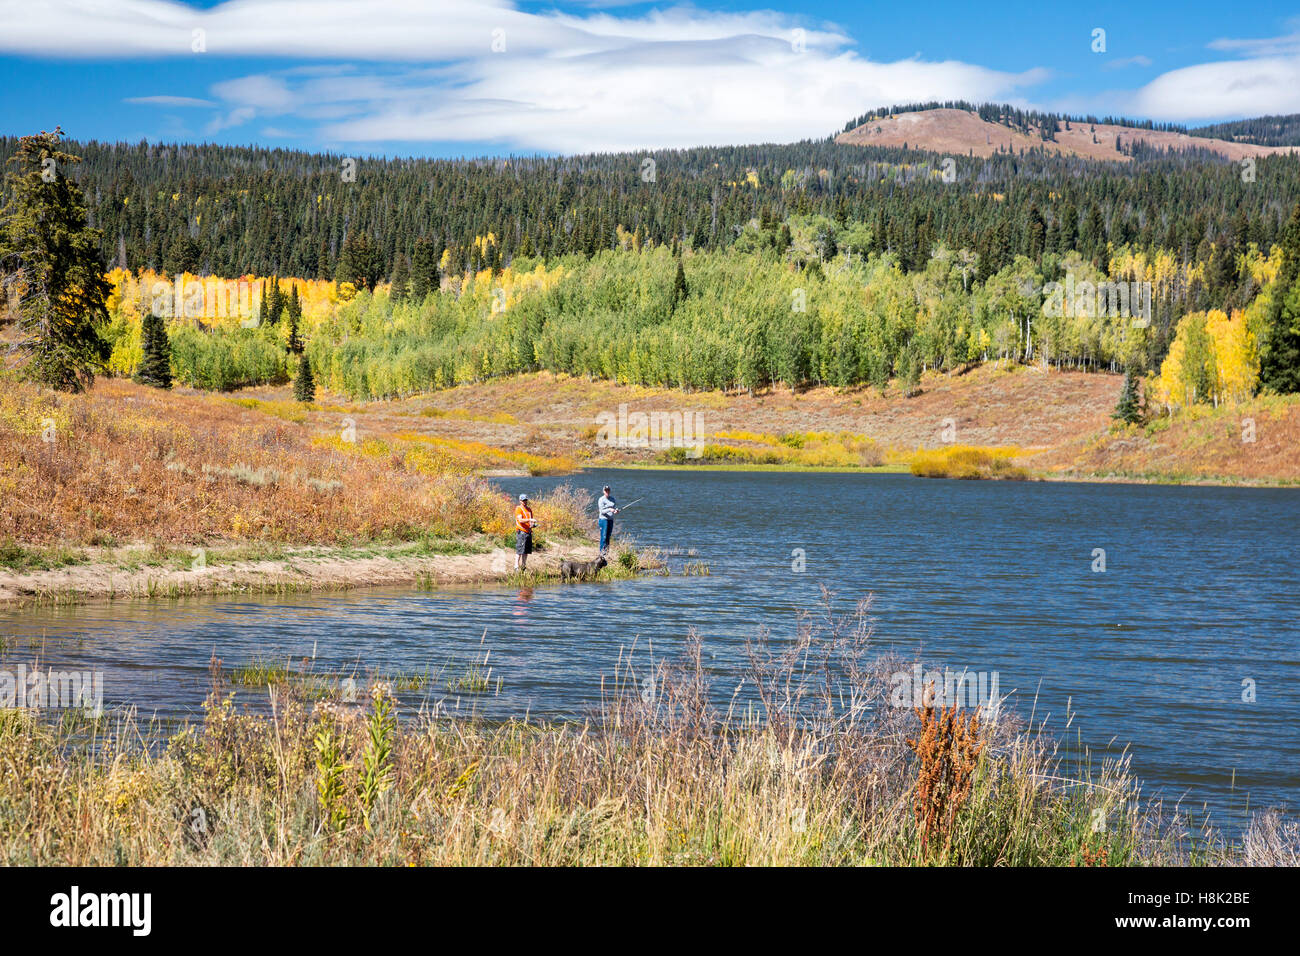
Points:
(581, 570)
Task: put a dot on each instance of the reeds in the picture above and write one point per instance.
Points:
(803, 761)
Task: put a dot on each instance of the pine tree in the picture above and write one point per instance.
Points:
(680, 289)
(323, 260)
(294, 313)
(1281, 368)
(273, 303)
(359, 262)
(401, 280)
(1280, 364)
(1129, 410)
(156, 353)
(304, 386)
(182, 255)
(50, 259)
(424, 269)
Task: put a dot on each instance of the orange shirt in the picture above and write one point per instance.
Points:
(524, 518)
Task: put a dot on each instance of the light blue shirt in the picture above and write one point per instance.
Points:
(606, 506)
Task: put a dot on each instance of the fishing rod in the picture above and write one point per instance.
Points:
(629, 504)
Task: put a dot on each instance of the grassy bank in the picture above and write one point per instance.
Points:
(64, 576)
(123, 463)
(127, 491)
(659, 776)
(1252, 442)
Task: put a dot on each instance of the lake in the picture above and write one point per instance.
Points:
(1193, 615)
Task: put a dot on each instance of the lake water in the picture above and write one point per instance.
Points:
(1197, 606)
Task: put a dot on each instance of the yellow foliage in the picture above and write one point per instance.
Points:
(1233, 358)
(968, 461)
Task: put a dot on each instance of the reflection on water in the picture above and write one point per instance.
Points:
(521, 605)
(1198, 602)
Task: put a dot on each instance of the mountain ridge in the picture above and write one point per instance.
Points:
(958, 131)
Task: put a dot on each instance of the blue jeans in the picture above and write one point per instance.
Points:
(606, 532)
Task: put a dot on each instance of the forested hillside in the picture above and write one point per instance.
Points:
(231, 211)
(1264, 130)
(707, 268)
(789, 302)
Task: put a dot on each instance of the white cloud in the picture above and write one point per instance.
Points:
(169, 101)
(1233, 88)
(317, 29)
(425, 70)
(1265, 80)
(1288, 44)
(740, 89)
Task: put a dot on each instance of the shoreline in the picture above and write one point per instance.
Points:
(904, 469)
(112, 576)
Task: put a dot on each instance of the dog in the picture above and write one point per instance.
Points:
(580, 570)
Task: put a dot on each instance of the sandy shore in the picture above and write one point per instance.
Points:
(307, 569)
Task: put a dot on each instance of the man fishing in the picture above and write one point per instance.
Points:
(524, 522)
(607, 509)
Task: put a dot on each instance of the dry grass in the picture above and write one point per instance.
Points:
(989, 405)
(1254, 441)
(808, 764)
(129, 463)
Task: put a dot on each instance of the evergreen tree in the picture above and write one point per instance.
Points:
(156, 353)
(294, 313)
(401, 279)
(1035, 237)
(50, 261)
(1281, 369)
(183, 255)
(680, 289)
(304, 385)
(273, 301)
(1280, 360)
(323, 270)
(424, 269)
(359, 262)
(1199, 365)
(1129, 409)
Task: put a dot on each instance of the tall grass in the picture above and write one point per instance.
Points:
(806, 763)
(125, 463)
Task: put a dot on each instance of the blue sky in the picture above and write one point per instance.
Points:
(475, 77)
